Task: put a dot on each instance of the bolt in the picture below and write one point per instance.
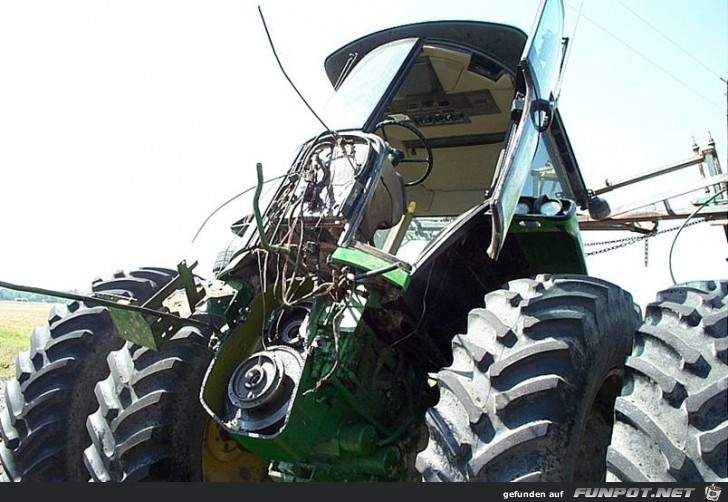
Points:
(253, 377)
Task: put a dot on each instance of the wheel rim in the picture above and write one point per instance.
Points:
(224, 460)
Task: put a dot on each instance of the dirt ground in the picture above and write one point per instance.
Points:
(22, 316)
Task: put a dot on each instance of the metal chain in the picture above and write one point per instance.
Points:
(620, 243)
(614, 241)
(647, 252)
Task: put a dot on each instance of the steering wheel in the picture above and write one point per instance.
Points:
(421, 137)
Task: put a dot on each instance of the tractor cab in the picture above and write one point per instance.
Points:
(430, 122)
(470, 110)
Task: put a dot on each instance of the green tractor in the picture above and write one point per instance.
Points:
(411, 302)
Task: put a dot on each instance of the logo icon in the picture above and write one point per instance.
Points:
(712, 492)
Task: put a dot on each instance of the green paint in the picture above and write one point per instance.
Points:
(551, 245)
(347, 425)
(365, 261)
(243, 340)
(133, 327)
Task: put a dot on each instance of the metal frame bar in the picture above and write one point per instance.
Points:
(626, 216)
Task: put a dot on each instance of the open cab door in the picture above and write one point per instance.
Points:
(532, 111)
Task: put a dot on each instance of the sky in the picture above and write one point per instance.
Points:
(124, 125)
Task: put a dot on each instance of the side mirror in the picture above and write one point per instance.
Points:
(599, 208)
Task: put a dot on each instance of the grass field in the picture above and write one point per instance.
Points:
(17, 319)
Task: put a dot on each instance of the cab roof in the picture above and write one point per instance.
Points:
(499, 42)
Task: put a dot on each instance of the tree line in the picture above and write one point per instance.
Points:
(10, 296)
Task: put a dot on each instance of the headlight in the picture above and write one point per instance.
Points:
(550, 208)
(523, 208)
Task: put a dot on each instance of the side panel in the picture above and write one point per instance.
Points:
(551, 244)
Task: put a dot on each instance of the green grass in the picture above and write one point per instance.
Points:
(17, 320)
(10, 345)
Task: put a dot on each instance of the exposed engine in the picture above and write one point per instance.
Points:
(320, 383)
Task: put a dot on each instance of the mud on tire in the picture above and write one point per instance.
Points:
(529, 394)
(672, 417)
(43, 425)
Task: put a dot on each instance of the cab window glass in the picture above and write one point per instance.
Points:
(543, 177)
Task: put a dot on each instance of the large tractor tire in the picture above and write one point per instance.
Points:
(671, 420)
(529, 394)
(149, 424)
(43, 425)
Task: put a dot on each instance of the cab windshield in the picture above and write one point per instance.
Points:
(362, 92)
